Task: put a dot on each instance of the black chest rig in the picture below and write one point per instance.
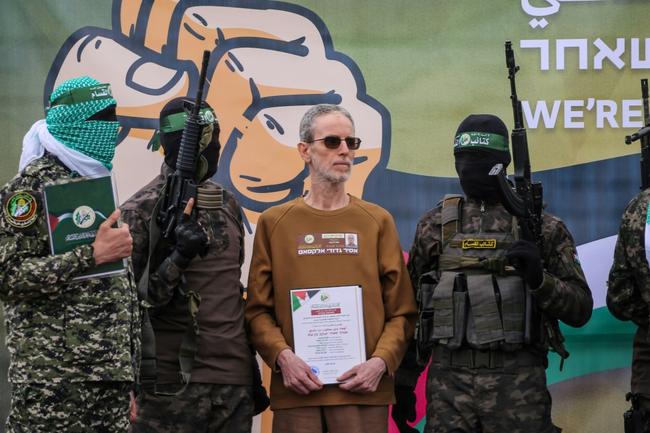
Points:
(474, 299)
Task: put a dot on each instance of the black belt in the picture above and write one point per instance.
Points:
(474, 358)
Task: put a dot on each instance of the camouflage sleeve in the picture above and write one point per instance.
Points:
(627, 298)
(423, 257)
(424, 253)
(564, 293)
(27, 270)
(139, 229)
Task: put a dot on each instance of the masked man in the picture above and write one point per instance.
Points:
(487, 298)
(72, 343)
(203, 368)
(628, 299)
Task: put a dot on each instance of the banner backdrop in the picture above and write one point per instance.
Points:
(409, 72)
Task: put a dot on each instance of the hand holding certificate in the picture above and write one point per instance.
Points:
(296, 374)
(328, 330)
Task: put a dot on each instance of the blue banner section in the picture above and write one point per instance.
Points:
(589, 198)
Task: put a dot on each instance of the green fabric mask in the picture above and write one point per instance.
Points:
(73, 102)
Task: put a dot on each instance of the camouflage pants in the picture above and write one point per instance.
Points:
(69, 407)
(463, 400)
(204, 408)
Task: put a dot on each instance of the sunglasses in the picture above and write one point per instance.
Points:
(333, 142)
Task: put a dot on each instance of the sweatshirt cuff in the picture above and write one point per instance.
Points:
(274, 356)
(391, 363)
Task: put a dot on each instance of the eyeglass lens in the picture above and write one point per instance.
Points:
(333, 142)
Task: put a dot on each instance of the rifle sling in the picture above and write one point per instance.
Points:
(148, 338)
(188, 348)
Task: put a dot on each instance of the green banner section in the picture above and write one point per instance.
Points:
(604, 343)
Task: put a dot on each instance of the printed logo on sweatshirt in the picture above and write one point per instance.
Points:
(318, 244)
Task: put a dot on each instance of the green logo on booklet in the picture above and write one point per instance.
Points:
(83, 217)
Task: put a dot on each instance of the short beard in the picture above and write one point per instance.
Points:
(331, 178)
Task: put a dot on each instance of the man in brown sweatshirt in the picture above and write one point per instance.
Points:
(286, 256)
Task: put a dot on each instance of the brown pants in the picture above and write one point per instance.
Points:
(331, 419)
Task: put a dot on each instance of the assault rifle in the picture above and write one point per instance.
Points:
(643, 134)
(526, 203)
(181, 186)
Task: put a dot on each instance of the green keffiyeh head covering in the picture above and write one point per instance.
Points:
(73, 102)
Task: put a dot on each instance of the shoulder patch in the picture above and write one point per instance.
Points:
(20, 209)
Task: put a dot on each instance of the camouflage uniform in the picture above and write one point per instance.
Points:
(217, 399)
(62, 402)
(508, 395)
(628, 292)
(77, 341)
(203, 407)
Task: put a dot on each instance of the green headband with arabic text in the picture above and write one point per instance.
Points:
(481, 140)
(176, 122)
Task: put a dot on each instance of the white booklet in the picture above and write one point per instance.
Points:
(328, 330)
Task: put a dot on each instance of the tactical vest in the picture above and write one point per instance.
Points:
(474, 299)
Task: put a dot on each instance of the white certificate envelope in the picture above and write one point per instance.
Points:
(328, 332)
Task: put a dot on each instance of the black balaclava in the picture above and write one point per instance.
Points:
(170, 137)
(481, 142)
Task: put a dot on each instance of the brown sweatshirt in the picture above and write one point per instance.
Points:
(297, 246)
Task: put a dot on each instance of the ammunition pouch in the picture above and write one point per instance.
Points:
(424, 325)
(482, 310)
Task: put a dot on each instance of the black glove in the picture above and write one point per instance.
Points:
(260, 399)
(404, 408)
(191, 240)
(525, 256)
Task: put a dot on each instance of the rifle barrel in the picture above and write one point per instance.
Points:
(512, 71)
(199, 93)
(644, 96)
